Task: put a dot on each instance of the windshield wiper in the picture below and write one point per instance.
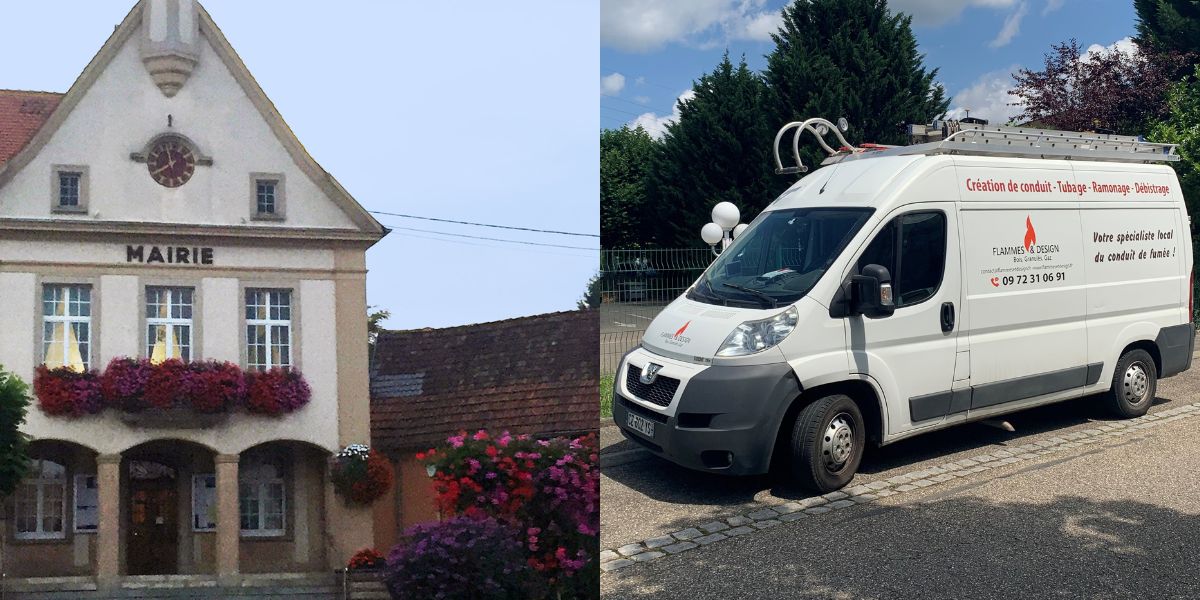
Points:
(711, 294)
(767, 297)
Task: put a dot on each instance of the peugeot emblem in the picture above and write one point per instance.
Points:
(650, 373)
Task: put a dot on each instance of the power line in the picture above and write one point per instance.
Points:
(490, 239)
(380, 212)
(625, 111)
(497, 246)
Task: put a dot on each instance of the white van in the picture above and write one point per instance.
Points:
(907, 289)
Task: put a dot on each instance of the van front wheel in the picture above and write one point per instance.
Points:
(827, 443)
(1134, 384)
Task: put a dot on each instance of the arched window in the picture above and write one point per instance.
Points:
(40, 502)
(261, 498)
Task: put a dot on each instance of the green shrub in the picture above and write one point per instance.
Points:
(14, 400)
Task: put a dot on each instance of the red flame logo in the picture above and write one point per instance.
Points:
(1030, 234)
(682, 329)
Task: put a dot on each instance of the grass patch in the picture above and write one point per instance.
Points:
(606, 396)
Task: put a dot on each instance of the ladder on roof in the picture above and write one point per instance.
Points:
(993, 140)
(955, 137)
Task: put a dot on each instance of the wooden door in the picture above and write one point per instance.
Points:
(153, 527)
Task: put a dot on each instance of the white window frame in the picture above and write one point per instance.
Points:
(169, 322)
(69, 320)
(41, 483)
(261, 493)
(81, 481)
(196, 480)
(268, 324)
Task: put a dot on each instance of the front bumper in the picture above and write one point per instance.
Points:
(722, 419)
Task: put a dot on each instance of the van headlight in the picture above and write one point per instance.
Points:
(756, 336)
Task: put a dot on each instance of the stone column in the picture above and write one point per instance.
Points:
(228, 519)
(108, 530)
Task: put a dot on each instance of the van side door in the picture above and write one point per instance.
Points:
(1025, 295)
(911, 353)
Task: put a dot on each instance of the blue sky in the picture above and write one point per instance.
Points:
(481, 113)
(658, 47)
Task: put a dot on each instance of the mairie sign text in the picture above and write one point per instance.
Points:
(168, 255)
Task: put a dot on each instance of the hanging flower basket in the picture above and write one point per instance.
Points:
(360, 475)
(276, 391)
(66, 392)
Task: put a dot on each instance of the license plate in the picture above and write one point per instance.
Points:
(640, 424)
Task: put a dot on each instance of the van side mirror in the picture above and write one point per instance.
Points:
(871, 292)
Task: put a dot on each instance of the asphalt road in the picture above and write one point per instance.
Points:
(628, 316)
(1114, 519)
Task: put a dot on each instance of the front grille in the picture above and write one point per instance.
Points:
(661, 392)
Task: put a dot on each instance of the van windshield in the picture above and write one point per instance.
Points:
(780, 257)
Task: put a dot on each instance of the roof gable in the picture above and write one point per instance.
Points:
(22, 114)
(195, 107)
(535, 375)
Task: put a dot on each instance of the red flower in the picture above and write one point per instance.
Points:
(65, 392)
(276, 391)
(164, 388)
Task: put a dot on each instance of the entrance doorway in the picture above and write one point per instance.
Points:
(153, 542)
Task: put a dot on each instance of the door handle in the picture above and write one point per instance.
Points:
(947, 316)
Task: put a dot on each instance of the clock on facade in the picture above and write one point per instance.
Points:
(171, 161)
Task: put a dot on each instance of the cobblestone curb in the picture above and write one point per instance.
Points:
(777, 514)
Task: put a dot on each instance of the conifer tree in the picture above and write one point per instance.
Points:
(853, 59)
(719, 150)
(1168, 26)
(624, 214)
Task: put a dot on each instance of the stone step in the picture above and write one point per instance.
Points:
(306, 593)
(368, 587)
(301, 586)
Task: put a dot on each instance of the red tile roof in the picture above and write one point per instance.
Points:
(536, 375)
(22, 113)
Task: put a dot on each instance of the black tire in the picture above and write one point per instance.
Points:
(1134, 384)
(813, 436)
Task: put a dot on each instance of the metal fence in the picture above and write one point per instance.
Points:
(649, 276)
(614, 345)
(634, 286)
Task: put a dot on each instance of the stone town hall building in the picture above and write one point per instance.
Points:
(162, 208)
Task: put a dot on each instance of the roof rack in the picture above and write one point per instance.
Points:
(980, 139)
(993, 140)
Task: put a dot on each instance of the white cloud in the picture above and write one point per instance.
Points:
(656, 125)
(612, 84)
(646, 25)
(933, 13)
(642, 99)
(987, 98)
(1052, 5)
(1011, 27)
(1124, 45)
(641, 80)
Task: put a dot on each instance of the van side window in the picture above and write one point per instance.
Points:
(919, 240)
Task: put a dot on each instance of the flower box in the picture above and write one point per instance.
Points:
(170, 394)
(176, 417)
